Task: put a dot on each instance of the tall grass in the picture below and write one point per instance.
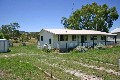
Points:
(23, 67)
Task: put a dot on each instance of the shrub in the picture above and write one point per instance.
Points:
(99, 46)
(117, 45)
(15, 41)
(47, 48)
(80, 49)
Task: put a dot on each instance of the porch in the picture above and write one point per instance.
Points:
(71, 45)
(91, 44)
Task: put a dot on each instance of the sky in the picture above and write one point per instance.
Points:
(34, 15)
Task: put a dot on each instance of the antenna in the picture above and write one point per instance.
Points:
(73, 7)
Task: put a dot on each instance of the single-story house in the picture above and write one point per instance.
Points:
(67, 38)
(116, 31)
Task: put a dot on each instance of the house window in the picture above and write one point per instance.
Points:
(73, 37)
(103, 37)
(91, 37)
(41, 38)
(85, 37)
(58, 38)
(49, 41)
(63, 37)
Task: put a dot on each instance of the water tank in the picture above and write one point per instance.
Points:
(4, 45)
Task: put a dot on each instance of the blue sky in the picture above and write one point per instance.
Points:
(33, 15)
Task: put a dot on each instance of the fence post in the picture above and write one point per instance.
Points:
(119, 64)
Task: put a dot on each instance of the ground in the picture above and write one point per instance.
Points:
(30, 63)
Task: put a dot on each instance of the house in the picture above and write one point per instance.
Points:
(67, 38)
(117, 31)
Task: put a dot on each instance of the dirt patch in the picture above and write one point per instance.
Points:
(77, 73)
(1, 73)
(5, 74)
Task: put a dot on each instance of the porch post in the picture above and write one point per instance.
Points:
(81, 40)
(105, 40)
(77, 39)
(115, 39)
(93, 41)
(82, 44)
(59, 41)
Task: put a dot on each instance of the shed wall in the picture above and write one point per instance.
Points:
(4, 46)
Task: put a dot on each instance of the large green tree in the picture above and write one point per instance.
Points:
(92, 17)
(10, 31)
(1, 35)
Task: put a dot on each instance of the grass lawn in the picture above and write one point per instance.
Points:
(30, 63)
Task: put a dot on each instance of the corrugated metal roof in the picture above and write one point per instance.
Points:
(2, 39)
(116, 30)
(75, 32)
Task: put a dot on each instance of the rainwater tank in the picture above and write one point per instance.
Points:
(4, 45)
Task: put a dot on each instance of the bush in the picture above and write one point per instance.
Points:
(80, 49)
(15, 41)
(117, 45)
(99, 46)
(46, 48)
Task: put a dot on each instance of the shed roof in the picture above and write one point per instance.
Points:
(76, 32)
(116, 30)
(2, 39)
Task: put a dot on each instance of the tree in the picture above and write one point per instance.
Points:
(1, 35)
(10, 31)
(24, 37)
(14, 27)
(5, 29)
(92, 17)
(16, 33)
(34, 35)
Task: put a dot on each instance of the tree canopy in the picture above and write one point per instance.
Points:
(92, 17)
(1, 35)
(10, 31)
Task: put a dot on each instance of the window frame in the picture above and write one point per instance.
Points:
(85, 37)
(63, 38)
(74, 37)
(103, 37)
(95, 37)
(50, 41)
(41, 38)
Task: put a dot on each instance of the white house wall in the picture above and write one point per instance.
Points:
(98, 38)
(46, 36)
(70, 43)
(118, 36)
(63, 44)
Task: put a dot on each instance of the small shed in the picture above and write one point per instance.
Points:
(4, 45)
